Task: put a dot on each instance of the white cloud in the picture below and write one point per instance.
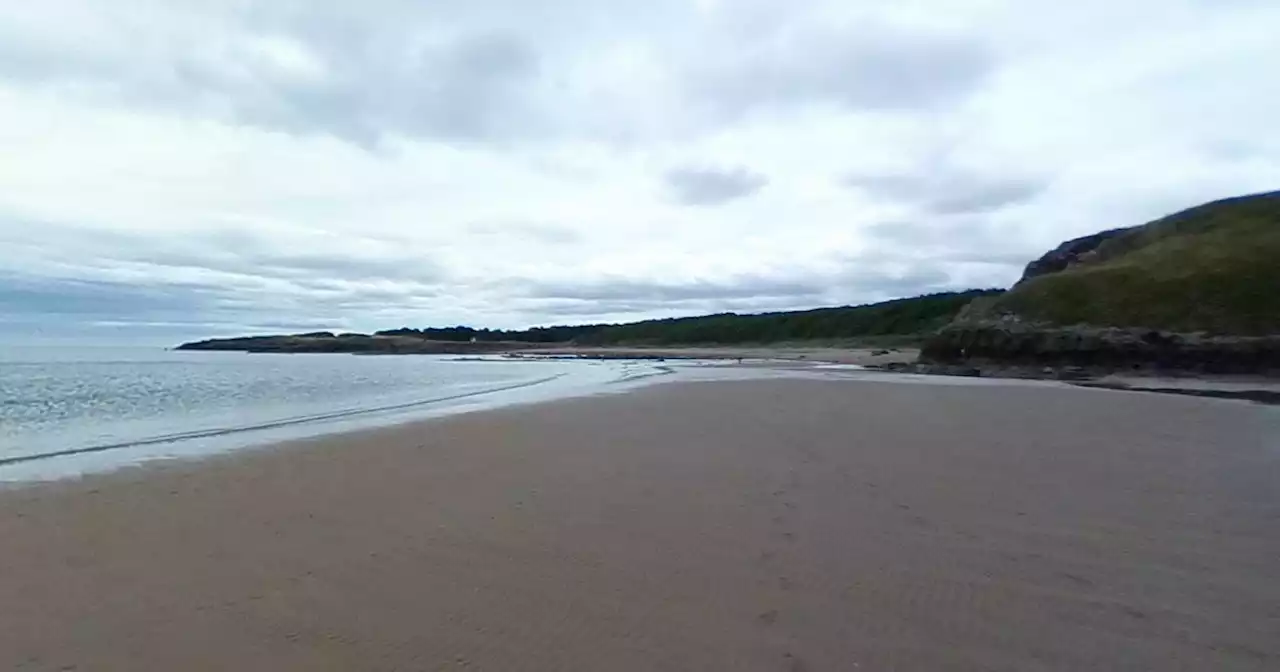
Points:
(367, 165)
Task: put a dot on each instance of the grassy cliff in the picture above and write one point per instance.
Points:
(1213, 268)
(917, 316)
(1199, 289)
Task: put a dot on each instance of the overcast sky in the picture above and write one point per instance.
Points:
(183, 167)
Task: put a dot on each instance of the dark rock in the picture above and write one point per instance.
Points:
(930, 369)
(965, 371)
(1069, 254)
(1073, 373)
(1069, 352)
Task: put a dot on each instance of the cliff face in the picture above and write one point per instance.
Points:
(1198, 290)
(1068, 254)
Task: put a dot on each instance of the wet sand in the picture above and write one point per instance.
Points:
(775, 525)
(772, 353)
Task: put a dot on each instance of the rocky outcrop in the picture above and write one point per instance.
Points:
(1014, 343)
(1068, 254)
(1189, 292)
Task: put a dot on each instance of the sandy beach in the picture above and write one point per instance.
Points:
(779, 353)
(771, 525)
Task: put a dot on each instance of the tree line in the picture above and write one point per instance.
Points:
(899, 317)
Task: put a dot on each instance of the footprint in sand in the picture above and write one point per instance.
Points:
(795, 663)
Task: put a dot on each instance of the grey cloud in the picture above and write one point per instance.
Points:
(869, 67)
(47, 297)
(926, 234)
(866, 278)
(861, 283)
(712, 186)
(483, 71)
(969, 239)
(286, 257)
(984, 197)
(318, 71)
(468, 87)
(232, 278)
(319, 302)
(943, 190)
(971, 250)
(873, 276)
(553, 310)
(287, 265)
(58, 308)
(623, 289)
(57, 303)
(608, 90)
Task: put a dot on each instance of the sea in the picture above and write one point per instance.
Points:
(69, 411)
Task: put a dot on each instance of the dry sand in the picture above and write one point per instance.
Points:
(780, 525)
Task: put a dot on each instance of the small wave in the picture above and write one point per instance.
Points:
(630, 377)
(286, 422)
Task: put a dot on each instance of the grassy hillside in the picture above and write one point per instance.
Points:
(915, 316)
(1213, 268)
(899, 320)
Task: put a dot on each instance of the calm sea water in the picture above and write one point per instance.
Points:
(66, 411)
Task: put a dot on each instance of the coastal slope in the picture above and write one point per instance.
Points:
(1196, 290)
(1214, 268)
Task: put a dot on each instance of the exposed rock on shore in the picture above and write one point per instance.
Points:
(1106, 348)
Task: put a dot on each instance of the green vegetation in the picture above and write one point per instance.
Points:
(911, 317)
(889, 321)
(462, 334)
(1214, 268)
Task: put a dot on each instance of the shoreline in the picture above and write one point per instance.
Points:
(761, 525)
(221, 432)
(700, 365)
(558, 381)
(1260, 387)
